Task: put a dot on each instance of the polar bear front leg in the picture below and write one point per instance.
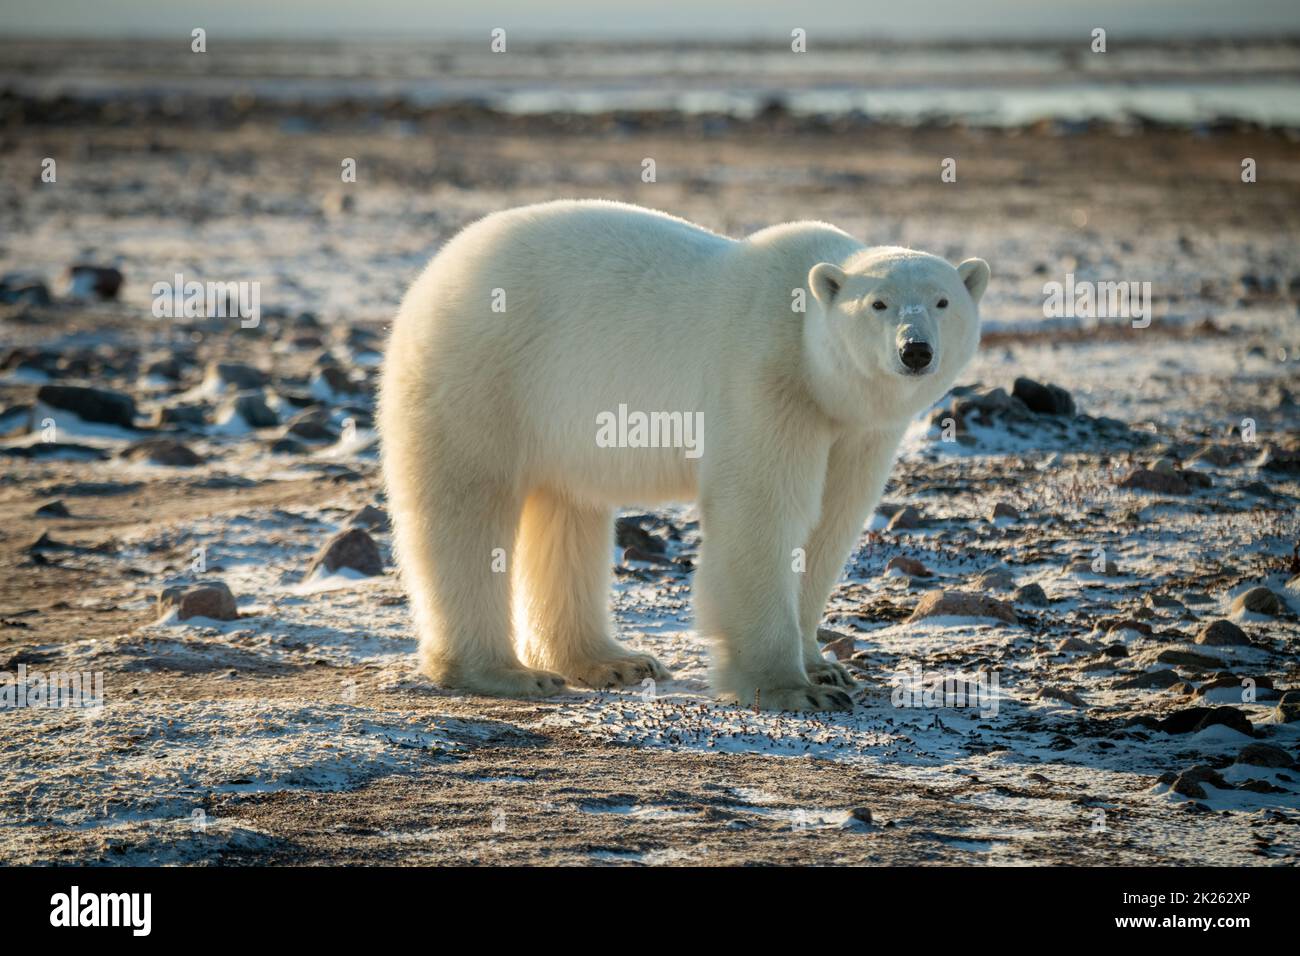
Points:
(754, 516)
(856, 472)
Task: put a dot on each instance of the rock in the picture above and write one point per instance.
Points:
(288, 446)
(826, 635)
(1161, 678)
(1264, 755)
(1058, 693)
(100, 405)
(211, 599)
(1161, 602)
(1075, 645)
(376, 519)
(1003, 511)
(252, 408)
(905, 519)
(235, 375)
(53, 509)
(335, 381)
(165, 368)
(187, 416)
(646, 557)
(313, 424)
(962, 604)
(988, 406)
(1193, 719)
(861, 815)
(908, 566)
(1222, 634)
(1112, 625)
(1258, 601)
(1288, 708)
(1109, 568)
(162, 451)
(16, 288)
(1190, 783)
(1165, 483)
(1043, 399)
(1212, 455)
(842, 648)
(1031, 594)
(995, 579)
(630, 533)
(1182, 657)
(353, 549)
(88, 281)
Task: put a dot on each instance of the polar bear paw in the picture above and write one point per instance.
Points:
(829, 672)
(619, 671)
(809, 697)
(516, 682)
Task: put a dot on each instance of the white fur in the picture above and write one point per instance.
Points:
(489, 424)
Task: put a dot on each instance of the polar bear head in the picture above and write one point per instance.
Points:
(905, 323)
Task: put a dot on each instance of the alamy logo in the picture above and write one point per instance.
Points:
(917, 689)
(626, 429)
(1098, 300)
(59, 689)
(103, 909)
(196, 300)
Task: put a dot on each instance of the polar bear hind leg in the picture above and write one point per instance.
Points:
(453, 549)
(562, 587)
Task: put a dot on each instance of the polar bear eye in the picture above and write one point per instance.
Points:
(942, 304)
(879, 306)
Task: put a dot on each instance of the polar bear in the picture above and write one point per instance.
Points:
(802, 353)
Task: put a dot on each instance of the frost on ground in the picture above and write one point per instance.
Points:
(1084, 558)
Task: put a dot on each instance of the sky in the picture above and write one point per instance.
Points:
(695, 19)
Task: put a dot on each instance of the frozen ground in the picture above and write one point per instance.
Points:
(300, 732)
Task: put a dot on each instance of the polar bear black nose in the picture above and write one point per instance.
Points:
(916, 355)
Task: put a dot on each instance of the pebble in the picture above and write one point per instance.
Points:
(211, 599)
(352, 548)
(908, 566)
(370, 517)
(962, 604)
(1258, 601)
(1264, 755)
(1031, 594)
(1043, 399)
(905, 519)
(1222, 634)
(99, 405)
(163, 451)
(995, 579)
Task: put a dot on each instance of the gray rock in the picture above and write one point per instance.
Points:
(1191, 782)
(1031, 594)
(163, 451)
(1164, 677)
(237, 375)
(995, 579)
(1288, 708)
(1222, 634)
(352, 548)
(90, 404)
(962, 604)
(1043, 399)
(252, 408)
(1259, 601)
(1264, 755)
(905, 519)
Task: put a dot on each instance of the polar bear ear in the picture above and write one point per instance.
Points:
(975, 274)
(826, 279)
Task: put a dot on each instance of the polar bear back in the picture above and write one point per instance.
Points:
(597, 305)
